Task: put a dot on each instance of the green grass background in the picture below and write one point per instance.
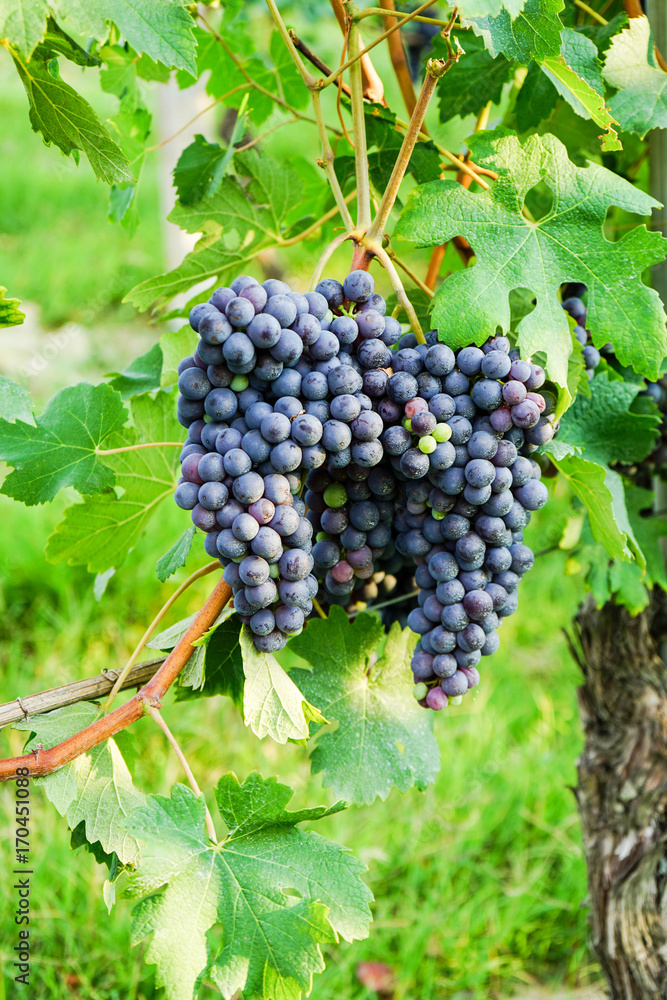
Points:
(480, 882)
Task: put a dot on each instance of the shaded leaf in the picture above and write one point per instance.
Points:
(384, 739)
(176, 557)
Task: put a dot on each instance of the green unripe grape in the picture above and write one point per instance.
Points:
(322, 536)
(456, 699)
(427, 444)
(274, 572)
(335, 495)
(239, 383)
(407, 423)
(437, 515)
(238, 559)
(442, 432)
(420, 691)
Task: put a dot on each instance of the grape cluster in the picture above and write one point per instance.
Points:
(332, 459)
(575, 308)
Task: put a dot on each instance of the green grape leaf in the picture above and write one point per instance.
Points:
(10, 314)
(216, 665)
(15, 402)
(63, 117)
(585, 101)
(161, 28)
(61, 448)
(202, 165)
(271, 941)
(176, 557)
(640, 103)
(175, 346)
(384, 142)
(197, 166)
(536, 99)
(100, 532)
(95, 788)
(58, 41)
(567, 244)
(604, 426)
(170, 636)
(272, 703)
(294, 89)
(23, 23)
(533, 34)
(648, 530)
(242, 217)
(490, 8)
(384, 739)
(581, 55)
(144, 374)
(476, 79)
(601, 492)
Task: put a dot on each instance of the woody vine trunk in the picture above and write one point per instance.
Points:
(622, 794)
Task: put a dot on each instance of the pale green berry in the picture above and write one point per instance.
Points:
(437, 515)
(239, 383)
(420, 691)
(427, 444)
(335, 495)
(456, 699)
(442, 432)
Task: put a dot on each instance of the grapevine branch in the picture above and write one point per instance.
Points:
(434, 70)
(398, 59)
(359, 132)
(89, 689)
(135, 447)
(41, 762)
(385, 34)
(373, 86)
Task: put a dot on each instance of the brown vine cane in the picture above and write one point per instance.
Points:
(42, 762)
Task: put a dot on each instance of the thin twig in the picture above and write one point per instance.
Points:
(203, 571)
(380, 38)
(434, 70)
(326, 256)
(156, 716)
(136, 447)
(315, 60)
(318, 608)
(458, 163)
(589, 10)
(241, 86)
(397, 285)
(41, 762)
(359, 133)
(411, 274)
(306, 76)
(373, 86)
(262, 137)
(316, 225)
(385, 604)
(328, 162)
(389, 11)
(397, 56)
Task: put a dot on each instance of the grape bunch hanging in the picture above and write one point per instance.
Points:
(332, 459)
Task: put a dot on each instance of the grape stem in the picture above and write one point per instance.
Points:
(359, 128)
(397, 285)
(120, 680)
(435, 68)
(373, 86)
(156, 716)
(326, 256)
(385, 34)
(41, 762)
(314, 86)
